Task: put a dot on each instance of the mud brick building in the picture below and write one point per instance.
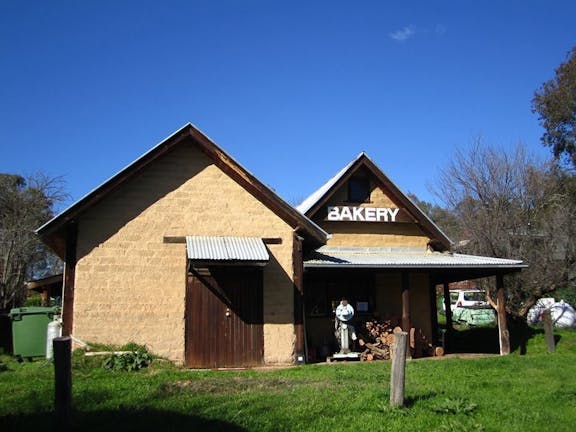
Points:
(187, 252)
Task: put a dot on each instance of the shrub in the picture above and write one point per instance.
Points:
(132, 361)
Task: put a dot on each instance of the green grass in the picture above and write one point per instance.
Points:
(532, 392)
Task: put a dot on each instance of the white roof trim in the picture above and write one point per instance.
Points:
(316, 196)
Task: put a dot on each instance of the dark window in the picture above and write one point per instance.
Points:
(358, 190)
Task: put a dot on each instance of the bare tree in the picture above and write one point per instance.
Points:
(512, 206)
(25, 204)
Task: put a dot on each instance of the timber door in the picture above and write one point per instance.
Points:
(224, 318)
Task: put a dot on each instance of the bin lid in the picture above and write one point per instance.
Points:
(34, 310)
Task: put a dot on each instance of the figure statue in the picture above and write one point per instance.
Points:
(343, 328)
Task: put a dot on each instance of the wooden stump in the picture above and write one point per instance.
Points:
(548, 331)
(397, 378)
(62, 381)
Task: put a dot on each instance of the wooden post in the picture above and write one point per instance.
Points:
(62, 381)
(397, 375)
(433, 312)
(406, 324)
(503, 334)
(69, 279)
(548, 331)
(300, 350)
(449, 324)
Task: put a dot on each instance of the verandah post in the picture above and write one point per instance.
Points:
(448, 308)
(503, 334)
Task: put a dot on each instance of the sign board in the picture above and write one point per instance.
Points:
(362, 214)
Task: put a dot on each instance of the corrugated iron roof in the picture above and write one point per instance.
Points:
(359, 257)
(210, 248)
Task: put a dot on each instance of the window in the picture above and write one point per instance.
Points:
(358, 190)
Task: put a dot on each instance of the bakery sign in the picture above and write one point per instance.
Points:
(362, 214)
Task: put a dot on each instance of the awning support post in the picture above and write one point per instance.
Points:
(503, 334)
(406, 306)
(449, 323)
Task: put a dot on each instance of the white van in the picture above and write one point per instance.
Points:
(475, 299)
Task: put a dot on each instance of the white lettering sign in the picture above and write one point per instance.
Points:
(362, 214)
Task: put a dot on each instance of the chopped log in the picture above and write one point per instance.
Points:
(390, 339)
(439, 351)
(379, 351)
(369, 357)
(361, 342)
(397, 329)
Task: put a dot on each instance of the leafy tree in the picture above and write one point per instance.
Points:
(511, 206)
(555, 102)
(25, 204)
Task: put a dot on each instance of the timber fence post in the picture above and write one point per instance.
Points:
(549, 331)
(397, 375)
(62, 381)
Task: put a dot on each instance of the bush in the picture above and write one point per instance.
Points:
(34, 299)
(568, 294)
(135, 357)
(132, 361)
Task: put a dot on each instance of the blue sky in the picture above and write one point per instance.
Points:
(293, 90)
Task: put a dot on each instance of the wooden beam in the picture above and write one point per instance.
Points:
(182, 240)
(175, 239)
(272, 240)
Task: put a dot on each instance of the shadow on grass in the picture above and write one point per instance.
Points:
(486, 340)
(125, 420)
(475, 340)
(410, 401)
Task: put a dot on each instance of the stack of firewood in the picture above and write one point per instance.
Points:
(376, 338)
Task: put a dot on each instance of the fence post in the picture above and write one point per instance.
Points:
(62, 380)
(398, 369)
(548, 331)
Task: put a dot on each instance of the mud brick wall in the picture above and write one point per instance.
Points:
(130, 284)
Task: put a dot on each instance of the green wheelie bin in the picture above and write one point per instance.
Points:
(29, 325)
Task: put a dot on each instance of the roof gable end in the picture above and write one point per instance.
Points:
(318, 199)
(54, 231)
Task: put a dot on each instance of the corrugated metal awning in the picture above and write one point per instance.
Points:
(358, 257)
(226, 249)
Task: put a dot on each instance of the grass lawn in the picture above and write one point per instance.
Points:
(532, 392)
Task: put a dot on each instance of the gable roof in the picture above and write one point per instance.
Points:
(317, 199)
(55, 231)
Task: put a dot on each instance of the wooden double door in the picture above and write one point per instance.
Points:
(224, 317)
